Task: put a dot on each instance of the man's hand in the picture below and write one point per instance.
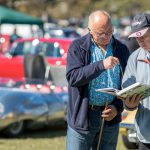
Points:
(110, 62)
(109, 113)
(132, 102)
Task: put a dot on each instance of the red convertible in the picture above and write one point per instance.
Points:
(12, 62)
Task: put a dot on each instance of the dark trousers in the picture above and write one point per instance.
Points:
(144, 146)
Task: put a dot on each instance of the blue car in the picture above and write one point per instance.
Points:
(29, 105)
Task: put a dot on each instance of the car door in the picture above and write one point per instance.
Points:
(11, 63)
(11, 67)
(53, 53)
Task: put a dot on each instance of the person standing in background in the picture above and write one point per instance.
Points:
(14, 36)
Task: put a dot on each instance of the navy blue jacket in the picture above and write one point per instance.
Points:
(79, 73)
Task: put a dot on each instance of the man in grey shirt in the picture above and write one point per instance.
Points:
(138, 70)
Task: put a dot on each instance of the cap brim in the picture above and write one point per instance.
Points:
(138, 33)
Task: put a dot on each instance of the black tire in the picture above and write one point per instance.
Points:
(39, 68)
(14, 129)
(34, 67)
(128, 144)
(28, 64)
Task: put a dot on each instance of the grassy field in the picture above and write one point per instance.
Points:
(49, 138)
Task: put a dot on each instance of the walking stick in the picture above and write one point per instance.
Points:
(101, 130)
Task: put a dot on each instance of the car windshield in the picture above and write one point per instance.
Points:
(45, 48)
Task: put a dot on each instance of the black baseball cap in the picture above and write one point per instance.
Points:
(140, 25)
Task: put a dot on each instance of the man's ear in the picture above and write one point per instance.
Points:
(91, 34)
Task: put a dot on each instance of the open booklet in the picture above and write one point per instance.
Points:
(136, 88)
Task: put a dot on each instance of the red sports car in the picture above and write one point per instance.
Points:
(53, 49)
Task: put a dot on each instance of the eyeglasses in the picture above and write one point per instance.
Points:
(102, 35)
(144, 60)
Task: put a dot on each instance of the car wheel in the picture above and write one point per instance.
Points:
(34, 66)
(128, 144)
(14, 129)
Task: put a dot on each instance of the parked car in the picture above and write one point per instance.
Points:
(128, 131)
(52, 49)
(24, 105)
(59, 32)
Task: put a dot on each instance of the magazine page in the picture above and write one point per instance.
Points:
(137, 88)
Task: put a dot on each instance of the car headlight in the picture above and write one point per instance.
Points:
(1, 108)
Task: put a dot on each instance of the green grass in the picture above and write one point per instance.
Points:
(49, 138)
(120, 145)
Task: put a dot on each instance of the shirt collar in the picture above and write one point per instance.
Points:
(109, 44)
(143, 56)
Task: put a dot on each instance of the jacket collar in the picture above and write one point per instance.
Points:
(86, 40)
(142, 56)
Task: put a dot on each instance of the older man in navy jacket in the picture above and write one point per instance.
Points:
(94, 61)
